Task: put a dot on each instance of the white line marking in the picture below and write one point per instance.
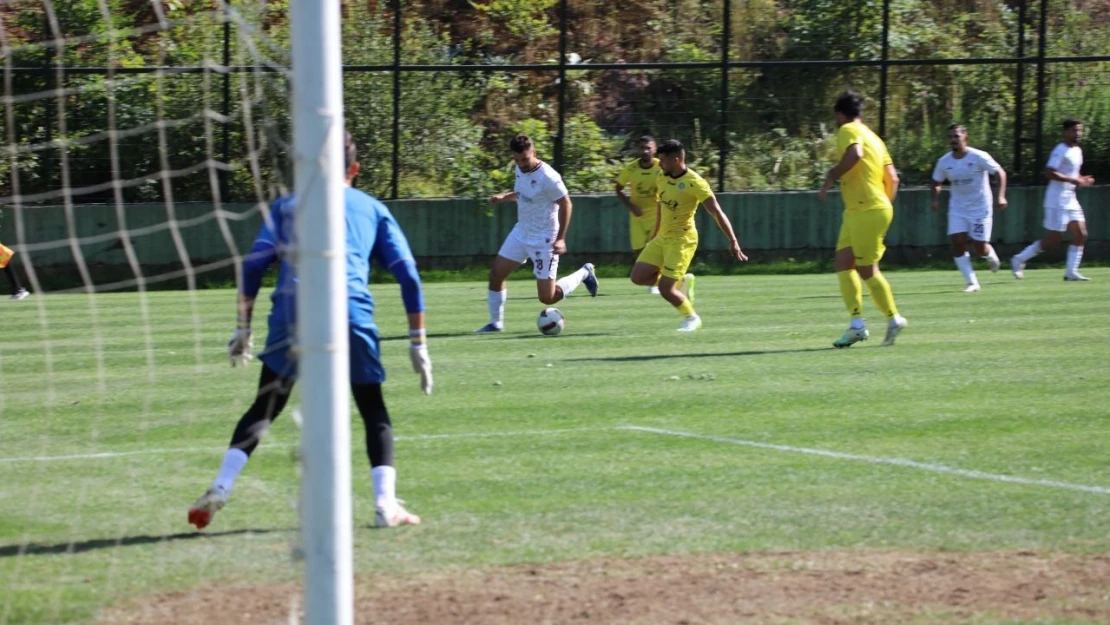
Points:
(898, 462)
(216, 450)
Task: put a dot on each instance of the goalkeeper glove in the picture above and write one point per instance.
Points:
(240, 346)
(421, 362)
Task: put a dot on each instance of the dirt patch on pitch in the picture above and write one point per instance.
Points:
(816, 588)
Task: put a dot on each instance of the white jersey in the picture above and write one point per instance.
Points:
(1067, 161)
(969, 177)
(536, 193)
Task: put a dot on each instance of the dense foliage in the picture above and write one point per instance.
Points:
(454, 125)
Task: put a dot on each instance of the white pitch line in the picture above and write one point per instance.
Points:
(216, 450)
(898, 462)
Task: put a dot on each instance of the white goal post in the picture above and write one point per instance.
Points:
(320, 248)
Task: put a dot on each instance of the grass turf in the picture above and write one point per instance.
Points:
(521, 454)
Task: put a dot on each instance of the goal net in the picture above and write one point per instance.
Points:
(144, 141)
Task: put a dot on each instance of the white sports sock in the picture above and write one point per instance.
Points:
(1075, 256)
(570, 282)
(857, 323)
(963, 263)
(385, 485)
(991, 254)
(496, 302)
(1029, 252)
(234, 461)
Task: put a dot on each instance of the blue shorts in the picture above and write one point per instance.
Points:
(365, 355)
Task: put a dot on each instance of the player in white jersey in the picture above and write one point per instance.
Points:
(1062, 212)
(543, 215)
(970, 203)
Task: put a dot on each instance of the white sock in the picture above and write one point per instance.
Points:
(385, 485)
(570, 282)
(496, 302)
(1075, 256)
(858, 323)
(234, 461)
(963, 263)
(1029, 252)
(991, 254)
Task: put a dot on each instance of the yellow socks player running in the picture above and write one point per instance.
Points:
(851, 289)
(882, 295)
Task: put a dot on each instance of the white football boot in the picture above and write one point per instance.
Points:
(896, 325)
(394, 514)
(211, 502)
(689, 324)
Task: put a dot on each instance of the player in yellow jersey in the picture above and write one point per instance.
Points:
(667, 255)
(868, 184)
(643, 201)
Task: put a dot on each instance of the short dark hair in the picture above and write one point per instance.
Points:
(648, 139)
(958, 127)
(671, 147)
(1071, 122)
(350, 151)
(849, 104)
(520, 144)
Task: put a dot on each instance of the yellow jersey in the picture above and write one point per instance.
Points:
(642, 181)
(862, 187)
(679, 199)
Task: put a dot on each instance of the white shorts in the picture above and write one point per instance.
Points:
(545, 263)
(1058, 217)
(978, 226)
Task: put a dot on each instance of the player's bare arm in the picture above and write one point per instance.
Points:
(559, 246)
(890, 181)
(725, 225)
(936, 186)
(623, 197)
(1079, 181)
(504, 196)
(1002, 201)
(848, 160)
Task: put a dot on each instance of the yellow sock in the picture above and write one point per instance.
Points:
(882, 295)
(685, 308)
(851, 289)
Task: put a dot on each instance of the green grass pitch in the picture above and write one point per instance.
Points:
(114, 410)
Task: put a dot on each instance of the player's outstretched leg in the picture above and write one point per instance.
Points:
(273, 393)
(585, 275)
(388, 510)
(1017, 263)
(687, 286)
(992, 258)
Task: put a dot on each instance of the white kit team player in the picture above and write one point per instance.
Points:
(543, 215)
(970, 203)
(1062, 212)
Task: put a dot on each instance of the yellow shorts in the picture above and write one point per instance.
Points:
(641, 228)
(864, 232)
(672, 255)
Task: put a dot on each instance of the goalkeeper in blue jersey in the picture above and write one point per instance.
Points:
(372, 233)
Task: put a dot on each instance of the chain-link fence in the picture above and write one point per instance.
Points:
(434, 89)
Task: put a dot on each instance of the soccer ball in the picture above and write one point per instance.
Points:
(551, 321)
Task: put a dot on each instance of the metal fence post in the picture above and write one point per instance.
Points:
(1019, 92)
(1042, 45)
(726, 37)
(395, 178)
(884, 68)
(560, 143)
(225, 133)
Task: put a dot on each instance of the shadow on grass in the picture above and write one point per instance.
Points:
(31, 549)
(896, 294)
(434, 335)
(701, 355)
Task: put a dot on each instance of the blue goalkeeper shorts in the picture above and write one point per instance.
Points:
(365, 353)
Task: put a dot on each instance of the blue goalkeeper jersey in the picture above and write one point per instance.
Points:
(372, 233)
